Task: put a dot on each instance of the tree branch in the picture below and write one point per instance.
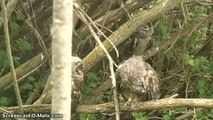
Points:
(109, 107)
(149, 105)
(84, 18)
(114, 15)
(10, 57)
(21, 71)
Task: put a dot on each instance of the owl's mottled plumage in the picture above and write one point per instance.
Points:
(139, 81)
(77, 80)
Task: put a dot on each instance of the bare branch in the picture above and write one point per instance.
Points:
(111, 62)
(9, 55)
(188, 114)
(149, 105)
(109, 107)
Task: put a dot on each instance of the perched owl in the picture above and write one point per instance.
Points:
(77, 80)
(139, 81)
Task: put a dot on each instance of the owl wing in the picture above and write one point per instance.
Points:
(131, 73)
(153, 83)
(139, 77)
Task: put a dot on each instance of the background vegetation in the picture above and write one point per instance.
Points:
(185, 67)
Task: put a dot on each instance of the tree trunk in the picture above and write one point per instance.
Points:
(61, 57)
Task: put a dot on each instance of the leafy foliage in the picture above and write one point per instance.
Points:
(93, 81)
(24, 46)
(139, 116)
(4, 63)
(186, 67)
(5, 101)
(88, 117)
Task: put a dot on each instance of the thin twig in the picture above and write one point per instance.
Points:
(10, 58)
(111, 62)
(99, 31)
(122, 6)
(188, 114)
(37, 34)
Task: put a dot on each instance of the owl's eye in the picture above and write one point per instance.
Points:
(79, 64)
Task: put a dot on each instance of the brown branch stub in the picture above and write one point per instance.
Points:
(149, 105)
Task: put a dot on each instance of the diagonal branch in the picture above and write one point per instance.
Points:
(22, 70)
(128, 29)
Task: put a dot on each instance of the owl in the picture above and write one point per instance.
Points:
(139, 81)
(77, 80)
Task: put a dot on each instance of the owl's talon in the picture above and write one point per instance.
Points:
(131, 102)
(134, 102)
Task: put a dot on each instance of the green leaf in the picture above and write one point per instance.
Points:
(139, 116)
(26, 86)
(30, 78)
(93, 85)
(169, 54)
(17, 61)
(210, 69)
(201, 87)
(88, 117)
(203, 59)
(3, 58)
(191, 62)
(160, 29)
(15, 26)
(24, 46)
(4, 62)
(92, 77)
(87, 90)
(4, 101)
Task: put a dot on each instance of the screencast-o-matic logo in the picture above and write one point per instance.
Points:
(31, 115)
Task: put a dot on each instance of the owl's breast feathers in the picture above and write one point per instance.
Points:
(138, 80)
